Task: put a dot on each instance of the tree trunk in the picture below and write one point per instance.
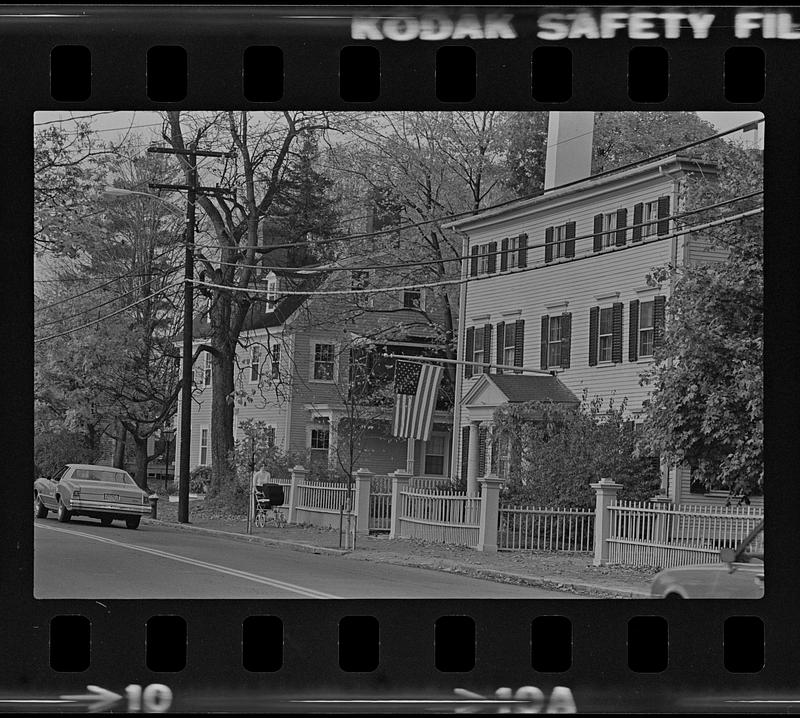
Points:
(221, 422)
(120, 437)
(140, 477)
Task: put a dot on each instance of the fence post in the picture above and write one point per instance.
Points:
(298, 477)
(400, 480)
(606, 494)
(363, 478)
(490, 508)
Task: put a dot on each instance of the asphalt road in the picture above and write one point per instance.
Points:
(82, 559)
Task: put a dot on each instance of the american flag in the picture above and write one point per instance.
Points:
(416, 386)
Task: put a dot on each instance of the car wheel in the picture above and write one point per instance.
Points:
(39, 509)
(64, 514)
(132, 522)
(106, 521)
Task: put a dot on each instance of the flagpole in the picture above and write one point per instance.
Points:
(480, 365)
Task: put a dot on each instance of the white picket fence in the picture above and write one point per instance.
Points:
(321, 496)
(445, 518)
(545, 529)
(648, 534)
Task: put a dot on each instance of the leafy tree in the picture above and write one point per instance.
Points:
(557, 451)
(267, 146)
(707, 401)
(619, 138)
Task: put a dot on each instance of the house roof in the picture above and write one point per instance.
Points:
(518, 388)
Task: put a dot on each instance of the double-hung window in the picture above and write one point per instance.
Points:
(605, 334)
(559, 241)
(509, 341)
(434, 455)
(554, 338)
(609, 227)
(203, 446)
(513, 252)
(324, 361)
(276, 361)
(477, 350)
(646, 328)
(319, 442)
(255, 362)
(483, 259)
(412, 298)
(207, 370)
(650, 214)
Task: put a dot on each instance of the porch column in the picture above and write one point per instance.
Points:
(411, 446)
(473, 458)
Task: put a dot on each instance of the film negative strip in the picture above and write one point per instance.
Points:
(330, 221)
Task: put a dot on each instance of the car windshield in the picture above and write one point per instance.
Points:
(116, 477)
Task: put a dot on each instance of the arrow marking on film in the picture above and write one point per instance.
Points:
(99, 698)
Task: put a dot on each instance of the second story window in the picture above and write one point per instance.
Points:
(323, 362)
(650, 214)
(276, 361)
(255, 362)
(359, 279)
(609, 225)
(412, 298)
(556, 341)
(483, 259)
(646, 328)
(477, 348)
(605, 334)
(554, 338)
(207, 370)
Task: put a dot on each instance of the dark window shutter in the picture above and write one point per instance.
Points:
(663, 213)
(633, 331)
(522, 257)
(464, 451)
(482, 451)
(566, 338)
(594, 329)
(548, 244)
(598, 233)
(622, 221)
(545, 327)
(638, 216)
(473, 270)
(659, 319)
(504, 255)
(492, 257)
(487, 346)
(569, 247)
(468, 349)
(616, 327)
(519, 341)
(501, 340)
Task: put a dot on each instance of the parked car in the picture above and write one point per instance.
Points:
(738, 574)
(101, 492)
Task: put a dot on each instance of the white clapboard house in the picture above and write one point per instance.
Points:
(568, 290)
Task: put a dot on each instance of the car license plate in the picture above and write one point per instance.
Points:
(111, 497)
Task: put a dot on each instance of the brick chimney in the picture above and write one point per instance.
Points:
(569, 148)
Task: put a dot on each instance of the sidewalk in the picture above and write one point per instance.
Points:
(573, 573)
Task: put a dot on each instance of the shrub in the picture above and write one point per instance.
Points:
(199, 479)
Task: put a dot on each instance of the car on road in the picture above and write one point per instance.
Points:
(100, 492)
(739, 573)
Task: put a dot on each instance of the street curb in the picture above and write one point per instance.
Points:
(490, 574)
(249, 538)
(577, 587)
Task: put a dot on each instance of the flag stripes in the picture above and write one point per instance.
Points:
(416, 388)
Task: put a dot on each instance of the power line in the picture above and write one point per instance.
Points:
(379, 290)
(459, 257)
(108, 316)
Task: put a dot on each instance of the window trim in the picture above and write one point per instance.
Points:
(640, 331)
(610, 309)
(314, 344)
(203, 447)
(551, 342)
(255, 363)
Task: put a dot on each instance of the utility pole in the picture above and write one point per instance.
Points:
(192, 189)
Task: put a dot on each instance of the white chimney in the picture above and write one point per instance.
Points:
(569, 148)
